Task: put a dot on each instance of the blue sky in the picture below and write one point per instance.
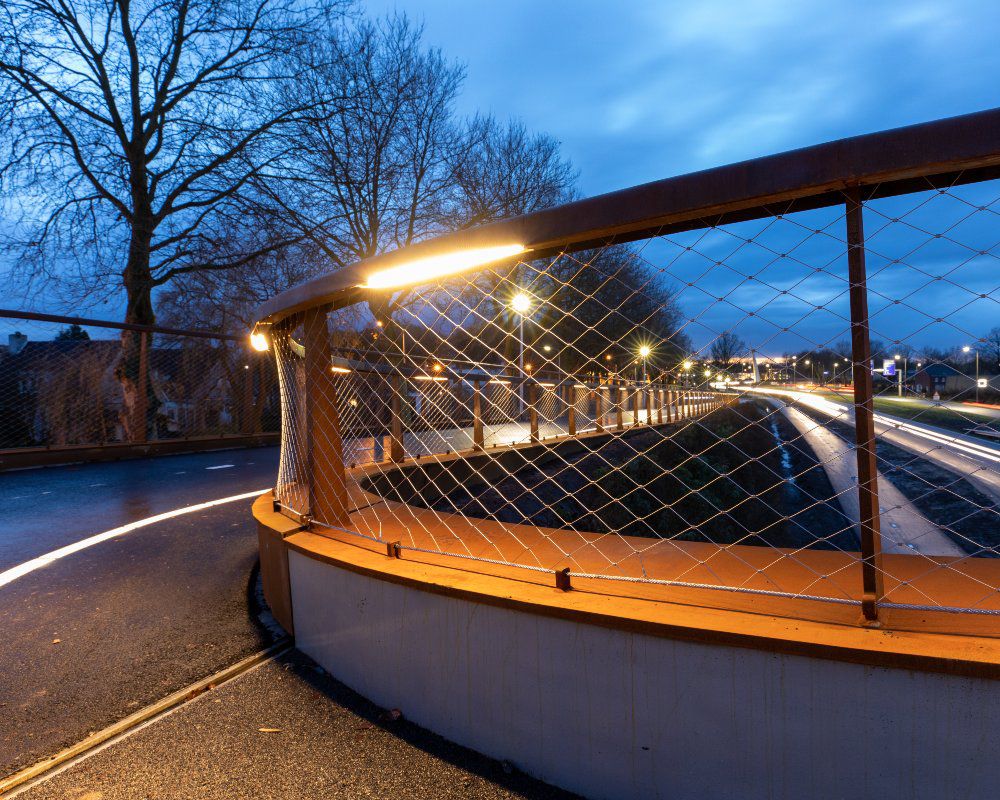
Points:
(637, 91)
(641, 91)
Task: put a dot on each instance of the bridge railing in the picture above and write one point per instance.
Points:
(70, 384)
(684, 387)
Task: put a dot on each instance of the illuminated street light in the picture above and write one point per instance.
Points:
(258, 341)
(966, 349)
(521, 303)
(424, 270)
(644, 351)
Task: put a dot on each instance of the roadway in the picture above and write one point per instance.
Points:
(95, 636)
(105, 631)
(904, 528)
(974, 459)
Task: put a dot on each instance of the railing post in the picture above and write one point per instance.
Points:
(864, 421)
(635, 405)
(659, 406)
(598, 394)
(668, 399)
(246, 425)
(571, 411)
(396, 452)
(142, 391)
(619, 419)
(533, 410)
(477, 416)
(328, 501)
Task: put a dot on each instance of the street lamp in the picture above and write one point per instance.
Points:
(901, 376)
(644, 352)
(966, 349)
(521, 305)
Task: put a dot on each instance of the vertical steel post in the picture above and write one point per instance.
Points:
(864, 421)
(396, 452)
(635, 405)
(477, 416)
(328, 500)
(533, 410)
(598, 395)
(619, 419)
(571, 410)
(140, 424)
(659, 405)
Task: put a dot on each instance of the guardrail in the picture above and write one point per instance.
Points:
(64, 394)
(646, 387)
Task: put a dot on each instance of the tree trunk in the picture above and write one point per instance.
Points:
(133, 371)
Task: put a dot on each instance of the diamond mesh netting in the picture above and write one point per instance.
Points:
(677, 411)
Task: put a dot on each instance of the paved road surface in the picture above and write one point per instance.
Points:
(47, 508)
(91, 638)
(904, 528)
(971, 458)
(324, 742)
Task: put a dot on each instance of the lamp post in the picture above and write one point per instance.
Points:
(901, 376)
(966, 349)
(644, 352)
(521, 304)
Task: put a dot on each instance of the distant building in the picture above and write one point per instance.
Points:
(949, 382)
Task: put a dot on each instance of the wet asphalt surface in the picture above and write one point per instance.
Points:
(320, 740)
(47, 508)
(95, 636)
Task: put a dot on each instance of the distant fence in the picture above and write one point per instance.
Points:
(648, 387)
(62, 393)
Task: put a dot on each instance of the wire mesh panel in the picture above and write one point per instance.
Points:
(66, 385)
(684, 410)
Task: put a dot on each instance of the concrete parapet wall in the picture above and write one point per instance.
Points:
(622, 714)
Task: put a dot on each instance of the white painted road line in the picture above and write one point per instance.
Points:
(12, 574)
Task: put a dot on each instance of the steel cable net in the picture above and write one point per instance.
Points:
(676, 411)
(73, 386)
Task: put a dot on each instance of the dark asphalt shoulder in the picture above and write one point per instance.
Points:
(287, 730)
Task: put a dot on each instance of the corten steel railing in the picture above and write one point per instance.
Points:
(756, 379)
(66, 387)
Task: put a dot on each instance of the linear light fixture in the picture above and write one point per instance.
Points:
(424, 270)
(428, 378)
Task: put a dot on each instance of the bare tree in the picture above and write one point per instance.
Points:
(727, 348)
(133, 131)
(991, 349)
(395, 164)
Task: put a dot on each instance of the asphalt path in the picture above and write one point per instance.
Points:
(287, 730)
(966, 456)
(43, 509)
(93, 637)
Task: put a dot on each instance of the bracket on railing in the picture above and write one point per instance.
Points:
(562, 579)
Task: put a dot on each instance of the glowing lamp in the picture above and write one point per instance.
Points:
(258, 341)
(424, 270)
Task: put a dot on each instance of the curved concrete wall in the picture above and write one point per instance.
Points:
(613, 714)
